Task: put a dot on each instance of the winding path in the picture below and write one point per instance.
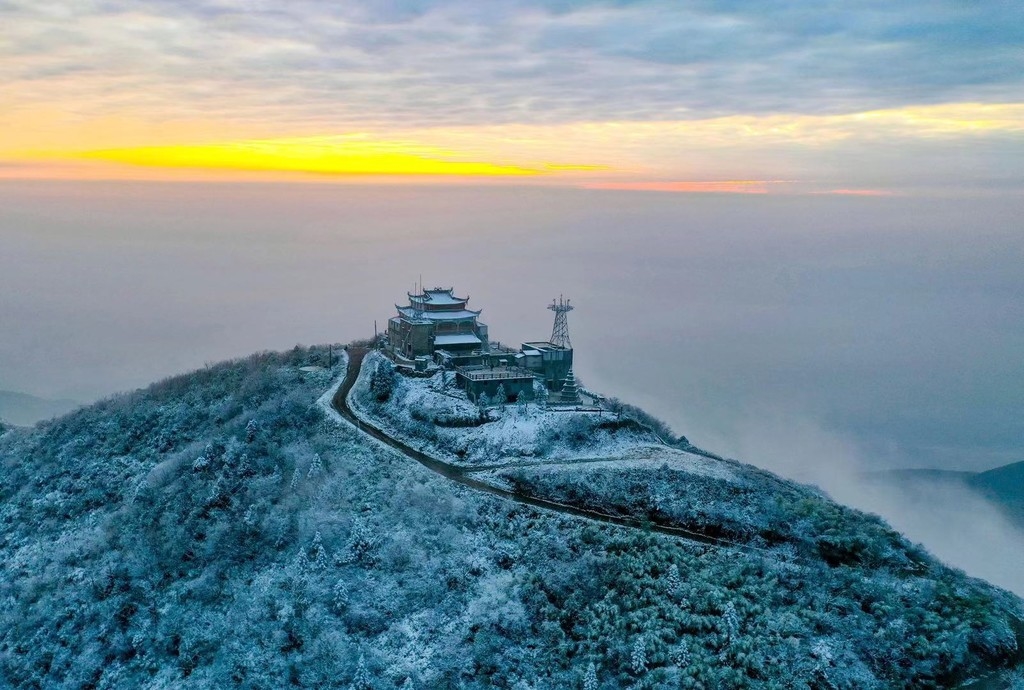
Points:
(462, 474)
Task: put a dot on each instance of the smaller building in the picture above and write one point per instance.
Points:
(494, 381)
(549, 362)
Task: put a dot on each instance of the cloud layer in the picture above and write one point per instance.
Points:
(851, 96)
(467, 63)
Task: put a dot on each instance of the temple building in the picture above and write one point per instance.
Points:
(438, 329)
(435, 320)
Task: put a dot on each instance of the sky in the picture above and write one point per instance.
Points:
(917, 97)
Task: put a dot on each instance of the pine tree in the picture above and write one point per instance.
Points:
(316, 466)
(341, 597)
(672, 579)
(361, 543)
(680, 656)
(250, 431)
(590, 678)
(319, 560)
(500, 396)
(482, 403)
(730, 623)
(638, 657)
(524, 402)
(361, 680)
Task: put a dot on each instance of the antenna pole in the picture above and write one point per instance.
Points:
(560, 331)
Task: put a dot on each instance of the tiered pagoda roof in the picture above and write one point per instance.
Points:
(437, 304)
(437, 298)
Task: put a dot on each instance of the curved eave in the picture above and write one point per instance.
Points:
(451, 295)
(418, 315)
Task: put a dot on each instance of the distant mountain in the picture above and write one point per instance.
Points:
(23, 409)
(1003, 486)
(233, 528)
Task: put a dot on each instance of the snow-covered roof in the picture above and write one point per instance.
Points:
(540, 346)
(459, 339)
(412, 313)
(438, 296)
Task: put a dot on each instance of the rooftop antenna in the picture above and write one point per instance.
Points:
(560, 331)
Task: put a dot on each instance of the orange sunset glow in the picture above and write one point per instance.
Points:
(619, 155)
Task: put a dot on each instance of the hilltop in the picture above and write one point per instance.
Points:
(229, 528)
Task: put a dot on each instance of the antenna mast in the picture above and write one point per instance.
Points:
(560, 331)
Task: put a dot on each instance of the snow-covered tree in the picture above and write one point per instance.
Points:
(672, 578)
(680, 655)
(590, 677)
(638, 657)
(501, 395)
(316, 466)
(318, 558)
(340, 599)
(730, 622)
(251, 429)
(301, 564)
(360, 546)
(361, 679)
(382, 381)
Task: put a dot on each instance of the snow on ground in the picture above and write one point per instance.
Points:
(437, 418)
(325, 400)
(647, 458)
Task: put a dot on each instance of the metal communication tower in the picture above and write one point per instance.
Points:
(560, 332)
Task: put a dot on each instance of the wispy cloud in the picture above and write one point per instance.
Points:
(466, 63)
(859, 192)
(689, 187)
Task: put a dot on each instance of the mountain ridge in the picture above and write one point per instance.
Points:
(218, 529)
(1003, 486)
(23, 409)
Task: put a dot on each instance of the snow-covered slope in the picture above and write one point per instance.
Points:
(223, 530)
(439, 419)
